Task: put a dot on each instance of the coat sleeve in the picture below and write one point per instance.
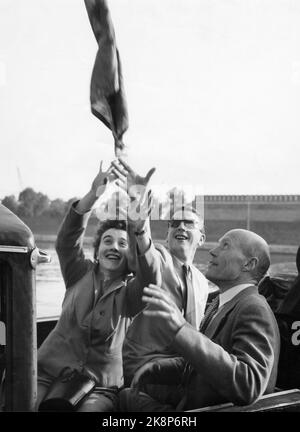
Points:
(69, 246)
(148, 268)
(241, 373)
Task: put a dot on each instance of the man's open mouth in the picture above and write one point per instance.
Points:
(181, 237)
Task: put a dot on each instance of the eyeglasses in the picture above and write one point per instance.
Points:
(174, 223)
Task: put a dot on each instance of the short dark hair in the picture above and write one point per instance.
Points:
(104, 226)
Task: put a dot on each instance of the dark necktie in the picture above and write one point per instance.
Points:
(190, 313)
(209, 314)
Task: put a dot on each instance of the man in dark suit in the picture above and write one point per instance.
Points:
(234, 356)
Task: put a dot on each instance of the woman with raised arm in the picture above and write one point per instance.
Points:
(100, 300)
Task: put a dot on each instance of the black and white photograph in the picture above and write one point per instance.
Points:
(149, 209)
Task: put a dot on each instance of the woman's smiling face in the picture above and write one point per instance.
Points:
(113, 250)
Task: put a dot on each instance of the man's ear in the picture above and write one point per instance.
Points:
(202, 239)
(251, 264)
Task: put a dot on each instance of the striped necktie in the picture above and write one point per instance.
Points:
(209, 314)
(189, 309)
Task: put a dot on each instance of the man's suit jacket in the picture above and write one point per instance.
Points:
(236, 360)
(146, 338)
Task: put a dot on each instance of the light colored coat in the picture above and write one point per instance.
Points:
(90, 332)
(146, 339)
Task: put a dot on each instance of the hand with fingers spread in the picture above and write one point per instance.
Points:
(160, 305)
(139, 211)
(137, 215)
(99, 182)
(141, 199)
(134, 181)
(97, 189)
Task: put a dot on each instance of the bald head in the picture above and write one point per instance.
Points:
(241, 256)
(254, 247)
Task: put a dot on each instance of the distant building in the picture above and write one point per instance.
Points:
(253, 198)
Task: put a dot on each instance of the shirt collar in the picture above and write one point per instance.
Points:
(226, 296)
(180, 263)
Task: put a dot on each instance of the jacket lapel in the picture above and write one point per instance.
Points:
(222, 315)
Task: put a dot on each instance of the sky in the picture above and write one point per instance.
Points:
(213, 92)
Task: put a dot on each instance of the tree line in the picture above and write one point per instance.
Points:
(31, 204)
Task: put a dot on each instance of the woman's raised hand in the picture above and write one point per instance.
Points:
(103, 177)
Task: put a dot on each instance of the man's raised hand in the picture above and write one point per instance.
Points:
(124, 172)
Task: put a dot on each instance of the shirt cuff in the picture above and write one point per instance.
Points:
(183, 332)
